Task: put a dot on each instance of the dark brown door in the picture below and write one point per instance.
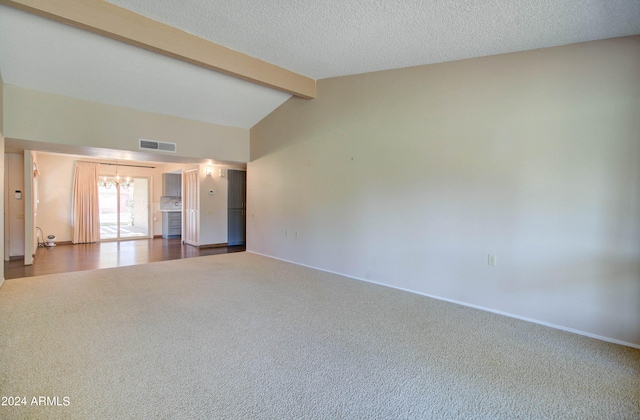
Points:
(237, 207)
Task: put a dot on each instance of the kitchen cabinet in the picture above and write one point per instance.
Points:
(171, 224)
(171, 185)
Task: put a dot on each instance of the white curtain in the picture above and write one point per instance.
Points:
(86, 215)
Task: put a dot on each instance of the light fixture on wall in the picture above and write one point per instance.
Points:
(208, 170)
(108, 182)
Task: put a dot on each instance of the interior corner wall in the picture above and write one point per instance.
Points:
(411, 177)
(46, 117)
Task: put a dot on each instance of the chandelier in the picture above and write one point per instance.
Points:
(108, 182)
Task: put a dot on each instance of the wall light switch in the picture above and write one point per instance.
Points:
(491, 260)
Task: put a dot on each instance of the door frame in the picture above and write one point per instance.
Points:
(242, 208)
(186, 192)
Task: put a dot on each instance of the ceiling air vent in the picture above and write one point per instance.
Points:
(162, 146)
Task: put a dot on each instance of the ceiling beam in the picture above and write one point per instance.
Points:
(114, 22)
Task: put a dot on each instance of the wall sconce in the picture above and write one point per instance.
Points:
(208, 170)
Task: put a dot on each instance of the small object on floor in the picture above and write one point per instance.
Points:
(51, 240)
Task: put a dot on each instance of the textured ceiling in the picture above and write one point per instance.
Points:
(319, 39)
(326, 38)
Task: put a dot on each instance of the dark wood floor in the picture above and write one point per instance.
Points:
(67, 258)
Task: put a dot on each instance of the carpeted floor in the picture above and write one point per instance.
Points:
(243, 336)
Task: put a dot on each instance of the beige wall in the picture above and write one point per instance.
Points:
(46, 117)
(412, 177)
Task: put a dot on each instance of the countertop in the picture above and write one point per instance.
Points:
(178, 210)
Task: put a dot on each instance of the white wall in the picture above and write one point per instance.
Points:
(15, 208)
(411, 177)
(47, 117)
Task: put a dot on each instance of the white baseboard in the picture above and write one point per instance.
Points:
(470, 305)
(1, 281)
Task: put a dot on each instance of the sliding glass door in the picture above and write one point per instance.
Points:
(124, 209)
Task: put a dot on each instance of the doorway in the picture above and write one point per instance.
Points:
(124, 209)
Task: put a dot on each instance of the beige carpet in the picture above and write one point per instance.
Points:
(243, 336)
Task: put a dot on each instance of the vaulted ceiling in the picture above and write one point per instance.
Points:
(320, 39)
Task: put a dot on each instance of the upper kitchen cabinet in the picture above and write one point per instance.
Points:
(171, 185)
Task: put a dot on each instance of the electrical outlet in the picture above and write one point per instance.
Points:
(286, 233)
(297, 235)
(491, 260)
